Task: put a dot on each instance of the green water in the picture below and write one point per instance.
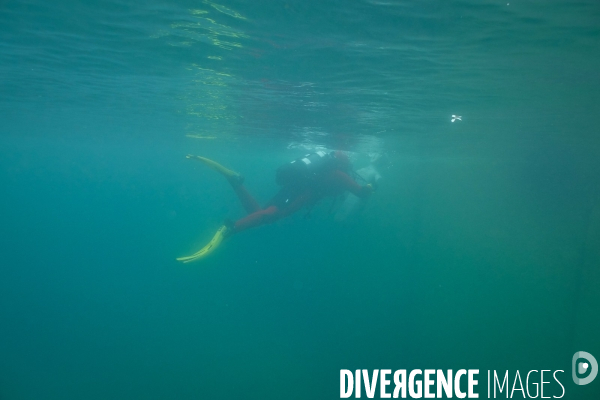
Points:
(479, 250)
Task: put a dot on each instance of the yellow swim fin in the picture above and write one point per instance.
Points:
(221, 234)
(229, 174)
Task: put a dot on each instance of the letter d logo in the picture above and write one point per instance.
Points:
(581, 368)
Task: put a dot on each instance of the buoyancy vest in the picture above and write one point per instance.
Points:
(305, 169)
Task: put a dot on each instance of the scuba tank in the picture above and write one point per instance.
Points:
(304, 169)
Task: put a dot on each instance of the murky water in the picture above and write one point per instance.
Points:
(479, 249)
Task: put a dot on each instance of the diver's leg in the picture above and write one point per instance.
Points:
(235, 180)
(268, 215)
(248, 201)
(260, 217)
(272, 213)
(303, 199)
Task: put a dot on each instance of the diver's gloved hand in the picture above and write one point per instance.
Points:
(368, 189)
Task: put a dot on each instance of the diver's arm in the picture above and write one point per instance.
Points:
(350, 185)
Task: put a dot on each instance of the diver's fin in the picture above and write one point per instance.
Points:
(232, 176)
(221, 234)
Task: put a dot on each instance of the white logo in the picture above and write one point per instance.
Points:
(580, 368)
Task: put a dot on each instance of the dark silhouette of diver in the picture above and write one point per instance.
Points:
(303, 183)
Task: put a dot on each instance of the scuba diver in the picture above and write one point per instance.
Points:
(303, 183)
